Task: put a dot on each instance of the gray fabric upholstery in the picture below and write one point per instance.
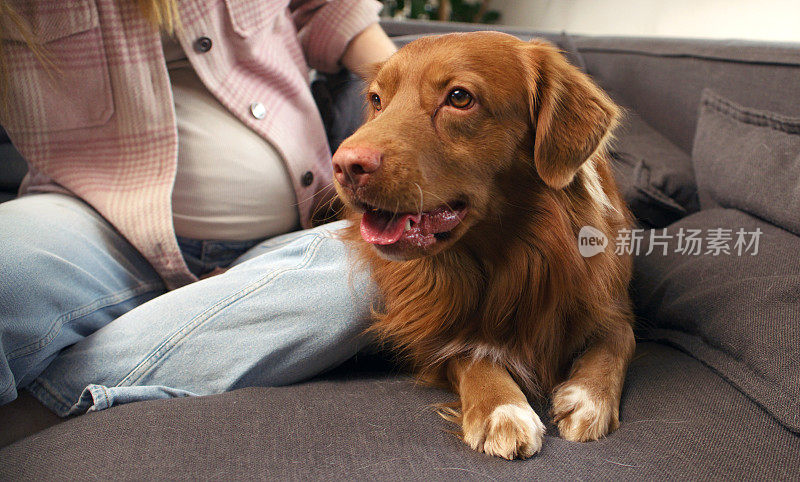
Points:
(12, 168)
(378, 427)
(662, 79)
(415, 28)
(738, 314)
(748, 159)
(655, 176)
(340, 99)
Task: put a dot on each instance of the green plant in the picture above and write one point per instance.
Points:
(473, 11)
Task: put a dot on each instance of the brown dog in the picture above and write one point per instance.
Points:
(481, 159)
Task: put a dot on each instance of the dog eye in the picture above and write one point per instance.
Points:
(460, 99)
(376, 101)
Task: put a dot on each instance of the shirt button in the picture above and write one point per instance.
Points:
(258, 110)
(307, 178)
(202, 44)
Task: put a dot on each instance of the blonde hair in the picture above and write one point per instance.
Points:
(162, 14)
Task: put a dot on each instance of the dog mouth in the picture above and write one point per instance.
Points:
(422, 230)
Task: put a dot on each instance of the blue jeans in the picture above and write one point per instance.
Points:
(86, 323)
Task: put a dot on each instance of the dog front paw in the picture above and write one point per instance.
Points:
(582, 417)
(509, 431)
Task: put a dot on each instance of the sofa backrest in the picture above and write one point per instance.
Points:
(662, 79)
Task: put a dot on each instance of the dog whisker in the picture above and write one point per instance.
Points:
(394, 213)
(322, 190)
(440, 199)
(421, 199)
(327, 204)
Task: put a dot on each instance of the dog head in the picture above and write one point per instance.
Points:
(450, 119)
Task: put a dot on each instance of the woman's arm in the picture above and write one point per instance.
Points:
(370, 46)
(336, 33)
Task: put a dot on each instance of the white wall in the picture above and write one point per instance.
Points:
(777, 20)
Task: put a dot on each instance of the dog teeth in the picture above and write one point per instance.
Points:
(408, 224)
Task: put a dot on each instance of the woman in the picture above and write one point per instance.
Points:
(167, 138)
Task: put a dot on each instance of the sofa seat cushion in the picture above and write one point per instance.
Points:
(383, 427)
(737, 311)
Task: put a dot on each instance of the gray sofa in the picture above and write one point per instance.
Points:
(711, 142)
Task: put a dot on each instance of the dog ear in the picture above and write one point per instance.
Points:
(571, 116)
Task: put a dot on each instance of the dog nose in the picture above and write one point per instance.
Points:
(352, 166)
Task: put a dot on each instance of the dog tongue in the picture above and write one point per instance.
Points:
(384, 228)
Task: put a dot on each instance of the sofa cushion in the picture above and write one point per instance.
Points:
(737, 312)
(383, 427)
(655, 176)
(340, 100)
(748, 159)
(12, 168)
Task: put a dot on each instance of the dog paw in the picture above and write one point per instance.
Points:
(510, 431)
(582, 417)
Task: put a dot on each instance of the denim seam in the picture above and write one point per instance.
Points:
(167, 345)
(7, 389)
(49, 397)
(67, 318)
(322, 233)
(289, 241)
(106, 401)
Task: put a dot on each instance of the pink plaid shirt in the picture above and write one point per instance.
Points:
(100, 123)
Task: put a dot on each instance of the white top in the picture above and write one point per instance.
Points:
(231, 183)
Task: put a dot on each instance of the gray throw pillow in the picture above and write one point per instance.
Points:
(748, 159)
(655, 176)
(737, 312)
